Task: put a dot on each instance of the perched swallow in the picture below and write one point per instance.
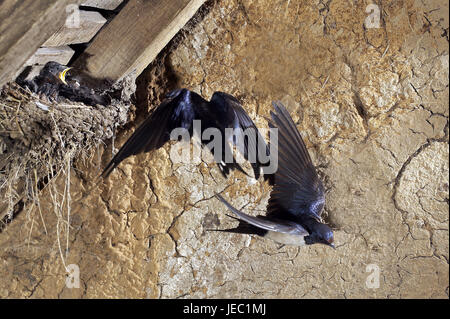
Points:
(297, 198)
(179, 109)
(55, 80)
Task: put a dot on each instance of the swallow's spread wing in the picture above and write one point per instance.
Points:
(248, 140)
(175, 111)
(280, 226)
(179, 109)
(297, 188)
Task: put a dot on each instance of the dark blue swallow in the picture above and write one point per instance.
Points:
(297, 198)
(179, 109)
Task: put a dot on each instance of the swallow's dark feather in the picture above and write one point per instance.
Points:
(297, 197)
(84, 94)
(240, 119)
(297, 188)
(47, 81)
(179, 109)
(271, 223)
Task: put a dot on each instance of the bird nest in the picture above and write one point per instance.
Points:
(40, 138)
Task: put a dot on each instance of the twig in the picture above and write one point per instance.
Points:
(57, 131)
(36, 197)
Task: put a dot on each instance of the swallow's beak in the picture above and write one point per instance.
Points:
(62, 75)
(332, 245)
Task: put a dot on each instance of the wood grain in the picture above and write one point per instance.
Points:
(61, 55)
(89, 24)
(135, 37)
(102, 4)
(24, 26)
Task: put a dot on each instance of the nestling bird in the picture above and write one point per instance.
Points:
(297, 198)
(179, 109)
(55, 80)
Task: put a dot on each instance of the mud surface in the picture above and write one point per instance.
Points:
(372, 106)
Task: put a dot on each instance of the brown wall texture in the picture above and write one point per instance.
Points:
(372, 106)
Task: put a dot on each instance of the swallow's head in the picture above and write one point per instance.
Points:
(57, 70)
(321, 234)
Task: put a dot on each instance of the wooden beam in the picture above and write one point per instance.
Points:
(135, 37)
(89, 24)
(24, 26)
(61, 55)
(102, 4)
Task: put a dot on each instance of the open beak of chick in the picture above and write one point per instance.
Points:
(62, 75)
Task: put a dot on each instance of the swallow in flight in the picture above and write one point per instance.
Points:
(178, 110)
(297, 199)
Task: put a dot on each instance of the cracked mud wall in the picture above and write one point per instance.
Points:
(372, 106)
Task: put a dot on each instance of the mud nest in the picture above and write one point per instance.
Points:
(40, 138)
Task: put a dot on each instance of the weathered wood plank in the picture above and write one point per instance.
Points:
(61, 55)
(102, 4)
(135, 37)
(88, 26)
(24, 26)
